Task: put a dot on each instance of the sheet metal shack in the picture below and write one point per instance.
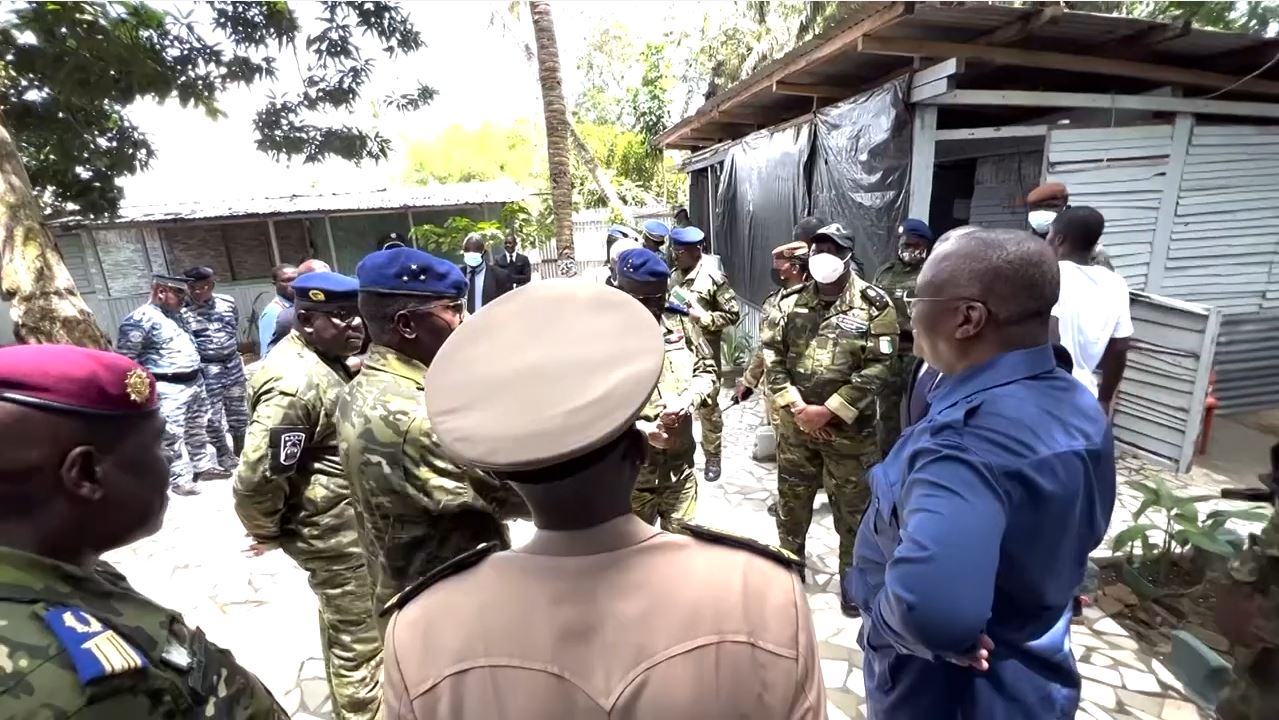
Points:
(953, 112)
(112, 261)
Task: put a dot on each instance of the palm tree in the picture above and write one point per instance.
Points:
(46, 306)
(558, 148)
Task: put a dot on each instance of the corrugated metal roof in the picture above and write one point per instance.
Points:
(389, 199)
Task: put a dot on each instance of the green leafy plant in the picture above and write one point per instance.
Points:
(446, 240)
(1181, 527)
(735, 347)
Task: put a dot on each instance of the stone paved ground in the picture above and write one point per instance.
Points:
(262, 609)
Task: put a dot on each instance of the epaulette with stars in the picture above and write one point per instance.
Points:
(465, 561)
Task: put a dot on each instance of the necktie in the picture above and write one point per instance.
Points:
(470, 293)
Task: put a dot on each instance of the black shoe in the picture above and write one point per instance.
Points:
(850, 610)
(772, 509)
(214, 474)
(712, 469)
(185, 489)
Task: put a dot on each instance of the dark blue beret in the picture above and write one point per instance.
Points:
(325, 288)
(689, 235)
(409, 271)
(199, 273)
(642, 265)
(913, 226)
(656, 230)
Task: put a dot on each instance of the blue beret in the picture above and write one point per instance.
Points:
(642, 265)
(409, 271)
(917, 227)
(75, 379)
(688, 235)
(620, 231)
(657, 230)
(325, 288)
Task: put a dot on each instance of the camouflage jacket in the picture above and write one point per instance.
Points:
(754, 374)
(706, 287)
(85, 644)
(838, 354)
(1258, 566)
(687, 370)
(290, 486)
(157, 340)
(214, 327)
(416, 509)
(898, 280)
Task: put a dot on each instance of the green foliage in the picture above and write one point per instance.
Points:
(70, 70)
(1250, 17)
(736, 346)
(446, 240)
(1177, 527)
(487, 152)
(640, 177)
(533, 226)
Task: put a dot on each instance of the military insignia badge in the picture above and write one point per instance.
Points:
(291, 447)
(316, 295)
(885, 345)
(138, 386)
(849, 324)
(96, 650)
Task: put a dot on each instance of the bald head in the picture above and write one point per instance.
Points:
(313, 265)
(985, 291)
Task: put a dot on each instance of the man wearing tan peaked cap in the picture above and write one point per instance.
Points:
(600, 615)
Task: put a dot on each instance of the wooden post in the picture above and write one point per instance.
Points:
(333, 250)
(923, 151)
(275, 243)
(1182, 128)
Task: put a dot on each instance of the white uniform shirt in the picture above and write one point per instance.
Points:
(1091, 309)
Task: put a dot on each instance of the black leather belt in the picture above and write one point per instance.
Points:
(225, 358)
(185, 377)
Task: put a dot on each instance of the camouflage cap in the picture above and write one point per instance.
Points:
(587, 358)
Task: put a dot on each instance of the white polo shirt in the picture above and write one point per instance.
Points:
(1091, 309)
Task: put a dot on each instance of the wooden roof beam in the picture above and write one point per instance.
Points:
(1021, 28)
(1139, 45)
(820, 91)
(1064, 62)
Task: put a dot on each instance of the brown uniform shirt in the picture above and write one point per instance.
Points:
(619, 621)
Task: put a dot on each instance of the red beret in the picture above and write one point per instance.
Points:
(75, 379)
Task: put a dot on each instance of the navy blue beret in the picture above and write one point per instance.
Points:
(409, 271)
(917, 227)
(689, 235)
(199, 273)
(642, 265)
(656, 230)
(325, 288)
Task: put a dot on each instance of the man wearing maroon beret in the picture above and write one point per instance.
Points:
(83, 472)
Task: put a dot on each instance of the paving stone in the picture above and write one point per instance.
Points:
(1103, 695)
(1137, 701)
(1092, 709)
(1180, 710)
(834, 672)
(292, 700)
(1100, 674)
(856, 682)
(1108, 626)
(1101, 661)
(314, 693)
(1139, 680)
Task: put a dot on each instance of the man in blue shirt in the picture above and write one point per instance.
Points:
(983, 515)
(282, 276)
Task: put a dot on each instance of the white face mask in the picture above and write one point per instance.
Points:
(1041, 220)
(473, 259)
(826, 268)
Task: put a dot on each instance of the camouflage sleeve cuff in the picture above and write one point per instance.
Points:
(788, 396)
(846, 412)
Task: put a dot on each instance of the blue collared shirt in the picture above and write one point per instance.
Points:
(981, 521)
(266, 321)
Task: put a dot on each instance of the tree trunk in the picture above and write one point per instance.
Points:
(557, 133)
(610, 193)
(46, 308)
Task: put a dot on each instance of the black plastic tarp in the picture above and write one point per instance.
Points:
(762, 193)
(861, 167)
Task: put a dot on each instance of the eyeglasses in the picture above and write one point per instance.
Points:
(912, 301)
(1006, 320)
(342, 317)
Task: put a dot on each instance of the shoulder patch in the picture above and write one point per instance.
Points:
(720, 537)
(287, 445)
(96, 650)
(792, 291)
(465, 561)
(876, 298)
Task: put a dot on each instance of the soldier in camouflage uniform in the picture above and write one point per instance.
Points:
(214, 324)
(790, 268)
(699, 284)
(291, 490)
(897, 278)
(829, 349)
(83, 472)
(416, 509)
(156, 337)
(1044, 202)
(667, 485)
(1248, 614)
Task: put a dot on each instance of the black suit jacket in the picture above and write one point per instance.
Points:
(496, 282)
(520, 272)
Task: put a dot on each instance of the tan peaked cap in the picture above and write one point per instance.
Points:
(543, 374)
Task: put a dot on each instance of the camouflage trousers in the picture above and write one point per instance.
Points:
(186, 444)
(710, 416)
(348, 634)
(806, 465)
(228, 390)
(666, 488)
(888, 422)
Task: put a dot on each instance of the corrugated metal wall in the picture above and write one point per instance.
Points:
(1248, 362)
(1121, 172)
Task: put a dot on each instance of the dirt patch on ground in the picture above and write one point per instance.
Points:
(1152, 622)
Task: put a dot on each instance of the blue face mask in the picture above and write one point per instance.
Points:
(473, 259)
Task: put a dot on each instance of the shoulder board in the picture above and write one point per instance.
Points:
(877, 298)
(465, 561)
(791, 291)
(719, 537)
(96, 650)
